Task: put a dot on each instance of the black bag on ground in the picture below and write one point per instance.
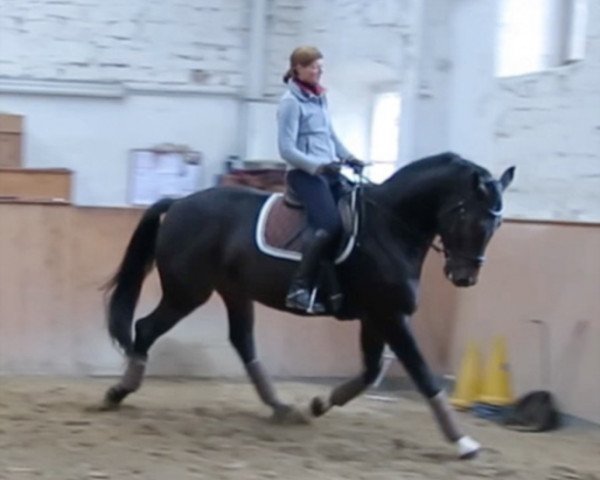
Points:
(534, 412)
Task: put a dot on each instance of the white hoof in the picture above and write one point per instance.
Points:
(467, 448)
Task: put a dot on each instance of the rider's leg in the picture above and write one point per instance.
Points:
(315, 194)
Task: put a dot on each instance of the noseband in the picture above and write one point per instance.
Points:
(461, 207)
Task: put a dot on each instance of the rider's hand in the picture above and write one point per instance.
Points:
(355, 164)
(332, 168)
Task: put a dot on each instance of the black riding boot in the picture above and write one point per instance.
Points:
(299, 294)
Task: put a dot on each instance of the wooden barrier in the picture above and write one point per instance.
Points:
(28, 184)
(53, 261)
(11, 140)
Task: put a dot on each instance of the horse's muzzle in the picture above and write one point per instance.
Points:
(462, 275)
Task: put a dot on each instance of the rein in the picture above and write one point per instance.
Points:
(404, 226)
(419, 236)
(358, 186)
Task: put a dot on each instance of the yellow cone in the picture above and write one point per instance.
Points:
(468, 382)
(497, 388)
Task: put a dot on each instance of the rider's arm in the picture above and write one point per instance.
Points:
(288, 121)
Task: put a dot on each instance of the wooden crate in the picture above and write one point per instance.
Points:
(11, 140)
(33, 184)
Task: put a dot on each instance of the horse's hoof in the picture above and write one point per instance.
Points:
(468, 448)
(288, 415)
(113, 398)
(469, 456)
(318, 406)
(105, 406)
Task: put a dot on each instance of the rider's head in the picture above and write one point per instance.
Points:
(306, 65)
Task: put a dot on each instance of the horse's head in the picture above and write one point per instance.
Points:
(467, 224)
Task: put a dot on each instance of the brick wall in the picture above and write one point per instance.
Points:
(546, 123)
(549, 125)
(146, 41)
(364, 41)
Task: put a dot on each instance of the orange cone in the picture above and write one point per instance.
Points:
(468, 382)
(497, 388)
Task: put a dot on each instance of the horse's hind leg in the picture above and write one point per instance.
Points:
(240, 312)
(147, 331)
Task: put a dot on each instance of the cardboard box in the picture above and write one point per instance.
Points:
(32, 184)
(11, 140)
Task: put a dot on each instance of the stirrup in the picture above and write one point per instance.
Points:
(313, 297)
(311, 307)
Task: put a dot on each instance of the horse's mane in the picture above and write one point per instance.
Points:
(409, 179)
(436, 162)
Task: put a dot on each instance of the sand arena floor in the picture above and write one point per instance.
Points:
(184, 429)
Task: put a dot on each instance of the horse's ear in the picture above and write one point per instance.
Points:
(479, 185)
(507, 177)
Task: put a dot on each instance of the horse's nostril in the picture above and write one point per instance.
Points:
(463, 282)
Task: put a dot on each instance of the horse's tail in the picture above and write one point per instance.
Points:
(125, 286)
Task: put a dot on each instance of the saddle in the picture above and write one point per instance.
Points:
(282, 224)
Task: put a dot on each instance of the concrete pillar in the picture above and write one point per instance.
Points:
(257, 50)
(449, 106)
(258, 132)
(473, 82)
(425, 93)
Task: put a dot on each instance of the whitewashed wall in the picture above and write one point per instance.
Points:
(449, 102)
(95, 78)
(366, 44)
(144, 41)
(549, 125)
(93, 136)
(134, 74)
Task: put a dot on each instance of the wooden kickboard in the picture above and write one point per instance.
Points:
(53, 184)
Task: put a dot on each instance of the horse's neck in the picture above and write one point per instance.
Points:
(415, 201)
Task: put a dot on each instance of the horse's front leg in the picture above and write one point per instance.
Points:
(372, 348)
(397, 334)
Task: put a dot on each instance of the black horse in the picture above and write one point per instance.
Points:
(206, 243)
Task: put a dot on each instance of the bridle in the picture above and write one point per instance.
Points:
(461, 206)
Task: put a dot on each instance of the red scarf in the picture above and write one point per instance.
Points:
(315, 89)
